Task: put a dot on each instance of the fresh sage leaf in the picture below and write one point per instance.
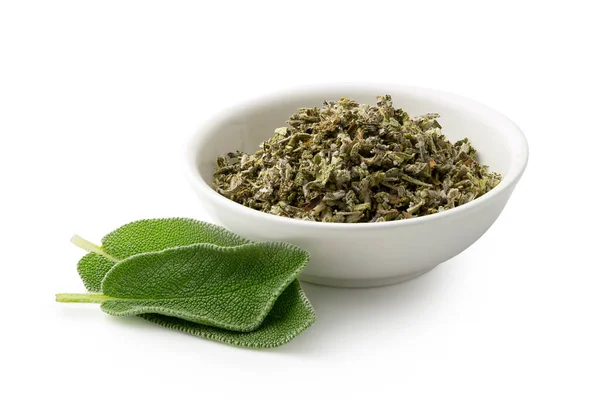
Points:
(291, 315)
(146, 236)
(227, 287)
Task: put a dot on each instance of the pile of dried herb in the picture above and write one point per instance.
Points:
(350, 162)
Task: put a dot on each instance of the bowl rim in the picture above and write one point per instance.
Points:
(519, 158)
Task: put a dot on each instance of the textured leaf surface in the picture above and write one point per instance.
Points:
(227, 287)
(151, 235)
(92, 269)
(291, 315)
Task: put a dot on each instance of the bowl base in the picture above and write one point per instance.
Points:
(361, 283)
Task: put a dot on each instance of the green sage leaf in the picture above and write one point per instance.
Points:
(291, 314)
(228, 287)
(150, 235)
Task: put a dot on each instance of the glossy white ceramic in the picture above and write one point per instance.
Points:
(366, 254)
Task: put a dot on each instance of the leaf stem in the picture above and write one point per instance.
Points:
(91, 247)
(82, 297)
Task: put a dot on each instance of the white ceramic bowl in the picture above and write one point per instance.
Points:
(365, 254)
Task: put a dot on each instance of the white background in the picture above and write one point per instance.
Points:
(98, 98)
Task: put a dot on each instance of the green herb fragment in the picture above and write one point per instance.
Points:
(350, 162)
(290, 315)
